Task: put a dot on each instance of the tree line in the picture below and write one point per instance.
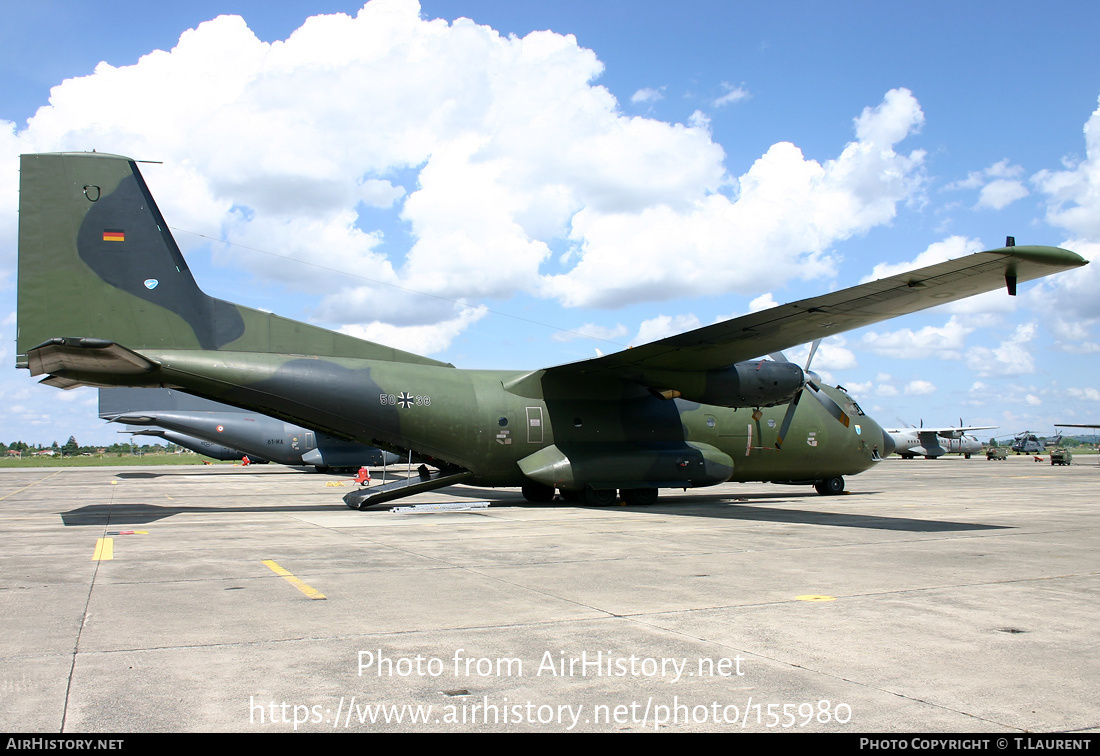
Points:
(73, 449)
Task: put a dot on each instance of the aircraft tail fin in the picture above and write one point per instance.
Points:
(97, 262)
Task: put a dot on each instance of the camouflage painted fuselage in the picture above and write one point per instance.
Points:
(615, 434)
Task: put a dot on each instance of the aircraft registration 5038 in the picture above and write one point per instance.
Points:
(695, 409)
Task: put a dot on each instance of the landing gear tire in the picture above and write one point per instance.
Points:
(603, 497)
(538, 493)
(830, 486)
(639, 497)
(966, 456)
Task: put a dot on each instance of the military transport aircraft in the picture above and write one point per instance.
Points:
(189, 418)
(689, 410)
(935, 442)
(197, 445)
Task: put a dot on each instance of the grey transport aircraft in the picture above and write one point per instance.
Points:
(935, 442)
(205, 448)
(185, 419)
(106, 299)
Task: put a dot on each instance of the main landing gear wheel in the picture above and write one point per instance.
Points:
(538, 493)
(830, 486)
(603, 497)
(639, 497)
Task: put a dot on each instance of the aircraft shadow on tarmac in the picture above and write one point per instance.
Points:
(222, 471)
(718, 506)
(142, 514)
(731, 511)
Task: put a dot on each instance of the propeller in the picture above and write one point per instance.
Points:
(815, 391)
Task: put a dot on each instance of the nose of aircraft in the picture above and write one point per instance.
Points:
(886, 448)
(887, 444)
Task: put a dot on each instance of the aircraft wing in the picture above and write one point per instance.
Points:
(723, 344)
(950, 432)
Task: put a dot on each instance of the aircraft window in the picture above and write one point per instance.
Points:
(711, 422)
(502, 422)
(859, 410)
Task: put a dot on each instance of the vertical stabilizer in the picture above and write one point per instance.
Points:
(96, 259)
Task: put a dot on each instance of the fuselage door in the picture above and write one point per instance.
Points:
(534, 425)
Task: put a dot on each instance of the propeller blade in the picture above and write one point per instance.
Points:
(813, 350)
(826, 401)
(787, 418)
(830, 405)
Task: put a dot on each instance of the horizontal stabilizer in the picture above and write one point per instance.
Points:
(73, 362)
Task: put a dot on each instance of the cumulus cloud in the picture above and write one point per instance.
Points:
(487, 150)
(418, 339)
(763, 302)
(1073, 194)
(999, 185)
(832, 354)
(1073, 336)
(733, 94)
(945, 342)
(592, 331)
(950, 248)
(1073, 204)
(704, 242)
(661, 326)
(1000, 194)
(648, 95)
(919, 388)
(1010, 358)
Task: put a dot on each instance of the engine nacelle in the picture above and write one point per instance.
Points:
(610, 466)
(762, 383)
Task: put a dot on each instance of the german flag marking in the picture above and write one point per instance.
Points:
(114, 234)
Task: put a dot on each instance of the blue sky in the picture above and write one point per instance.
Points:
(656, 170)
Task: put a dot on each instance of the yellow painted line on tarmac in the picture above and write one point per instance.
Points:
(308, 590)
(104, 549)
(24, 488)
(813, 597)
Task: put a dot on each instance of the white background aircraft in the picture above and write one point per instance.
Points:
(935, 442)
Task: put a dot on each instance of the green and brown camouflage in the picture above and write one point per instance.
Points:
(690, 410)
